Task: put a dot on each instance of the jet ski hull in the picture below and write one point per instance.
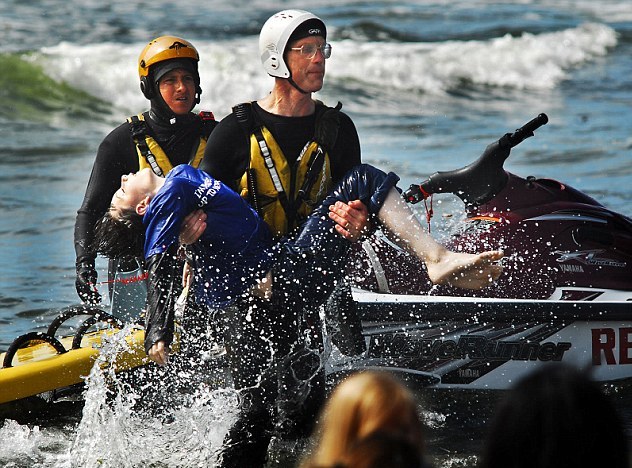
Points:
(481, 343)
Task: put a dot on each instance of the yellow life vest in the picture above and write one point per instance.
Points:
(151, 155)
(276, 189)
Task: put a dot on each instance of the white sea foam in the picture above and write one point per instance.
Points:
(231, 71)
(21, 442)
(529, 61)
(610, 11)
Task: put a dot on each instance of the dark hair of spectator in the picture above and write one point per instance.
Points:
(556, 417)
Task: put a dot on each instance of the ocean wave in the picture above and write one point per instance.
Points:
(85, 75)
(36, 96)
(528, 61)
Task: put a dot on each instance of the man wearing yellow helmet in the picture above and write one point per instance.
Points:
(166, 135)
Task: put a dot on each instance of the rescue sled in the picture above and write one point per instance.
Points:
(565, 293)
(40, 363)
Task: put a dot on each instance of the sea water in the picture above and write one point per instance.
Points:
(428, 84)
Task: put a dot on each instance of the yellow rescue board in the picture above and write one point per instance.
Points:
(38, 368)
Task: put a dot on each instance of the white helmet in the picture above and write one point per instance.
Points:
(275, 35)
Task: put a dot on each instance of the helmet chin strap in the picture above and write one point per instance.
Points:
(161, 113)
(293, 83)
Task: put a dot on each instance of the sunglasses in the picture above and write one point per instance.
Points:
(308, 51)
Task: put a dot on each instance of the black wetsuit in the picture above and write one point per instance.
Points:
(273, 403)
(117, 156)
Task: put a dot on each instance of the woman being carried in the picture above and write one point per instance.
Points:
(236, 257)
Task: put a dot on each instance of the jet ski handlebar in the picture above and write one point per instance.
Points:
(480, 181)
(527, 130)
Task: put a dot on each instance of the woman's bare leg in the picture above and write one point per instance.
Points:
(462, 270)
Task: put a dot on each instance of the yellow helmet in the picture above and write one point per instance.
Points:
(165, 48)
(162, 49)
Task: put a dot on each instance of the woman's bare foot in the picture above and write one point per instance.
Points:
(466, 271)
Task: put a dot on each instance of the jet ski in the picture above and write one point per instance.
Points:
(565, 293)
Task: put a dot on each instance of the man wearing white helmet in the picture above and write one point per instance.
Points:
(294, 128)
(283, 153)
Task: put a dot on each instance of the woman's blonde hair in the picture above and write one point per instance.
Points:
(363, 404)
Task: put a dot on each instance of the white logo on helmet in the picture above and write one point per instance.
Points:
(314, 32)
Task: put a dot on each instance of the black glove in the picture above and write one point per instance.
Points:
(86, 283)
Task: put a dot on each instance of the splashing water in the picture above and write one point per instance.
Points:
(150, 417)
(24, 446)
(119, 428)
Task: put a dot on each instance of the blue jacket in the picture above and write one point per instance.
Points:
(233, 251)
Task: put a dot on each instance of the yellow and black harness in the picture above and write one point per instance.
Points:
(285, 194)
(151, 155)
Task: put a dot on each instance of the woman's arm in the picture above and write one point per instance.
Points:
(164, 286)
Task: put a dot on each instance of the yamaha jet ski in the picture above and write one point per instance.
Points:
(565, 293)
